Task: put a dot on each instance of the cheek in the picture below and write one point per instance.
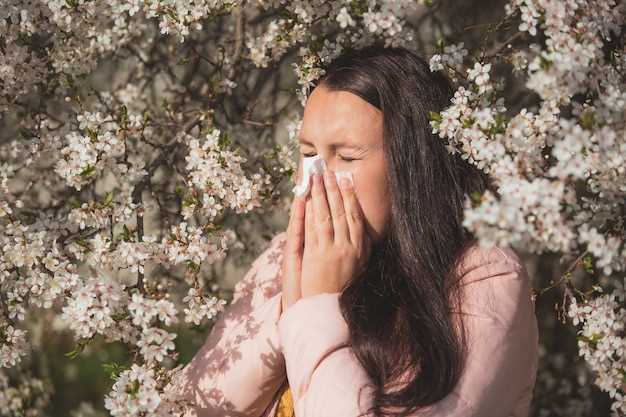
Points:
(372, 192)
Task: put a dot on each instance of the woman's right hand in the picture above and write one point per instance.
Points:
(292, 256)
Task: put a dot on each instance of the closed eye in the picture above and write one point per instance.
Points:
(343, 158)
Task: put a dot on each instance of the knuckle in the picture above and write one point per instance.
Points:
(355, 215)
(325, 220)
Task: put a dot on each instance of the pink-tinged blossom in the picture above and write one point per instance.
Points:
(200, 306)
(135, 393)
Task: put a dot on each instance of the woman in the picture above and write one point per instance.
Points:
(375, 300)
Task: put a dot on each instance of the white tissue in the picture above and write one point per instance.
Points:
(315, 165)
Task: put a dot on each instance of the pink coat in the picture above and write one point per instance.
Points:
(253, 348)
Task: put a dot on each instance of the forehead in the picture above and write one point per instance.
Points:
(340, 117)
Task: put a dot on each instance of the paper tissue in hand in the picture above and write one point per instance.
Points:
(315, 165)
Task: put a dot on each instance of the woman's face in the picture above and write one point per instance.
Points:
(347, 132)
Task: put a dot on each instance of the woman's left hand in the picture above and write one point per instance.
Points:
(336, 245)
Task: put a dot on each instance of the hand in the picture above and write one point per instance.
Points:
(292, 257)
(336, 246)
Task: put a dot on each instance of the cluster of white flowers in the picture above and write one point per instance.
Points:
(605, 249)
(480, 75)
(135, 393)
(359, 24)
(178, 17)
(30, 250)
(133, 255)
(13, 346)
(201, 306)
(92, 307)
(451, 58)
(601, 341)
(144, 311)
(190, 244)
(573, 57)
(217, 174)
(27, 396)
(344, 18)
(307, 71)
(527, 213)
(469, 123)
(275, 41)
(90, 31)
(540, 159)
(155, 344)
(85, 155)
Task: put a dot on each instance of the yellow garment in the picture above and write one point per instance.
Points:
(285, 404)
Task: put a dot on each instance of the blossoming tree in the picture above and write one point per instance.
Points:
(140, 146)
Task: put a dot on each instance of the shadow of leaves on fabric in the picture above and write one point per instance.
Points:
(221, 355)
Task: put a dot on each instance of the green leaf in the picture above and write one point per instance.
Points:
(441, 43)
(435, 116)
(120, 316)
(113, 370)
(544, 63)
(192, 265)
(591, 341)
(92, 135)
(588, 263)
(189, 201)
(74, 203)
(358, 7)
(108, 198)
(476, 198)
(223, 141)
(83, 244)
(468, 122)
(588, 119)
(211, 227)
(134, 389)
(87, 171)
(80, 346)
(123, 118)
(126, 234)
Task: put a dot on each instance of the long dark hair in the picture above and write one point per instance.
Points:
(400, 311)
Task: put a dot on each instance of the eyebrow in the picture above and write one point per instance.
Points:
(338, 144)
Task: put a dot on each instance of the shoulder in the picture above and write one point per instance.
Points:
(263, 277)
(495, 285)
(478, 262)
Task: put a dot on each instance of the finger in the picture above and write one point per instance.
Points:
(292, 262)
(335, 201)
(295, 229)
(354, 214)
(323, 219)
(310, 237)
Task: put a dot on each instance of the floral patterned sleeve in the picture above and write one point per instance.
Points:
(240, 367)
